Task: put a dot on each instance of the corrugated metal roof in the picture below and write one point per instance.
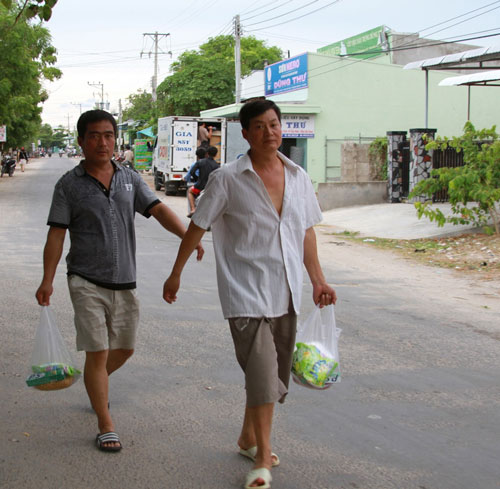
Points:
(472, 55)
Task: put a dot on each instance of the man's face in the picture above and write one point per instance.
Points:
(264, 131)
(98, 142)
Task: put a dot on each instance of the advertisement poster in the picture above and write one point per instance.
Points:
(366, 45)
(297, 126)
(143, 151)
(286, 76)
(3, 134)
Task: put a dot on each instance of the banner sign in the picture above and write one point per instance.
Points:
(143, 153)
(372, 40)
(286, 76)
(297, 126)
(3, 134)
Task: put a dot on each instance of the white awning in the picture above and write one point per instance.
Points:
(481, 78)
(471, 56)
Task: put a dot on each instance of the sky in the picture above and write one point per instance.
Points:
(102, 49)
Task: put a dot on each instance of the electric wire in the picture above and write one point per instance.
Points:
(283, 15)
(296, 18)
(265, 12)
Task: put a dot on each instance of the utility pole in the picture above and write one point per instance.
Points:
(120, 121)
(79, 105)
(237, 57)
(154, 82)
(97, 85)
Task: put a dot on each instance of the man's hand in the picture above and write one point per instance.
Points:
(199, 251)
(170, 288)
(43, 293)
(324, 295)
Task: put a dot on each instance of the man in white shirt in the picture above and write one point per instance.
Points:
(261, 209)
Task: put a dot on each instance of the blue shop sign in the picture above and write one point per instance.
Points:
(285, 76)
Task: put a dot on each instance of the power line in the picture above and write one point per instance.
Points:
(296, 18)
(283, 15)
(457, 17)
(266, 11)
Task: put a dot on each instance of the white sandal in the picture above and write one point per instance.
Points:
(251, 453)
(262, 473)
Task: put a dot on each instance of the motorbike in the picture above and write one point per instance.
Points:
(8, 166)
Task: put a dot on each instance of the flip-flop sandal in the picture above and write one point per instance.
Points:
(251, 453)
(262, 473)
(110, 437)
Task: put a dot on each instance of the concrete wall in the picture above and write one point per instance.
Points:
(356, 163)
(345, 194)
(427, 48)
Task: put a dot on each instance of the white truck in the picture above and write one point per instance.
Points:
(176, 143)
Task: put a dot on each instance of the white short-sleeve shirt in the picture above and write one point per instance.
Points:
(259, 254)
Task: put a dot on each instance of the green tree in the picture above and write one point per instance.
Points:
(45, 135)
(205, 78)
(30, 9)
(140, 108)
(473, 189)
(27, 59)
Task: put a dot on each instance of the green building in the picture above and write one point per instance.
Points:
(357, 89)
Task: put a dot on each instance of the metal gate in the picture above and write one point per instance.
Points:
(445, 158)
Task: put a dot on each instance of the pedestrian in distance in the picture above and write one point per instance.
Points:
(128, 156)
(23, 159)
(262, 209)
(204, 167)
(97, 201)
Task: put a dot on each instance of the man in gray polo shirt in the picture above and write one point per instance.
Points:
(97, 202)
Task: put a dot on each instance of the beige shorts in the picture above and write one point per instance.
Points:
(264, 349)
(104, 319)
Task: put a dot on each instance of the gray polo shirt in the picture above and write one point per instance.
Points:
(101, 223)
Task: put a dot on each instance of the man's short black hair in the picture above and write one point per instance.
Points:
(94, 116)
(201, 152)
(212, 152)
(255, 108)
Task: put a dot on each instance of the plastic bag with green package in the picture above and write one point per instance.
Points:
(52, 365)
(315, 361)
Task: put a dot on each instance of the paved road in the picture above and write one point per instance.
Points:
(418, 407)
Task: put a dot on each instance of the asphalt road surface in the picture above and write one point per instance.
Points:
(417, 408)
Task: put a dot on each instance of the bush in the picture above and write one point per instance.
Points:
(476, 183)
(377, 152)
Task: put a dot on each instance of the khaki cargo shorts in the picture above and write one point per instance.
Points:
(264, 349)
(104, 318)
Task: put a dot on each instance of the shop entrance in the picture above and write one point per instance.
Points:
(293, 149)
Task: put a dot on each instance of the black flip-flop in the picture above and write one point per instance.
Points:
(110, 437)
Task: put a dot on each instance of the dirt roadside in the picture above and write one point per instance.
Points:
(466, 292)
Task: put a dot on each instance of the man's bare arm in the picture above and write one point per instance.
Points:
(188, 244)
(51, 255)
(171, 222)
(323, 294)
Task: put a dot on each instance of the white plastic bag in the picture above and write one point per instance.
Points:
(316, 356)
(52, 366)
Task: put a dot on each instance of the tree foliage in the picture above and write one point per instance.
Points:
(205, 78)
(52, 137)
(473, 189)
(140, 108)
(30, 8)
(27, 59)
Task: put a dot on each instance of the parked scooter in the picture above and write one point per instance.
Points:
(8, 165)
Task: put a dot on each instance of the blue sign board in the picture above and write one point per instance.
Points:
(285, 76)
